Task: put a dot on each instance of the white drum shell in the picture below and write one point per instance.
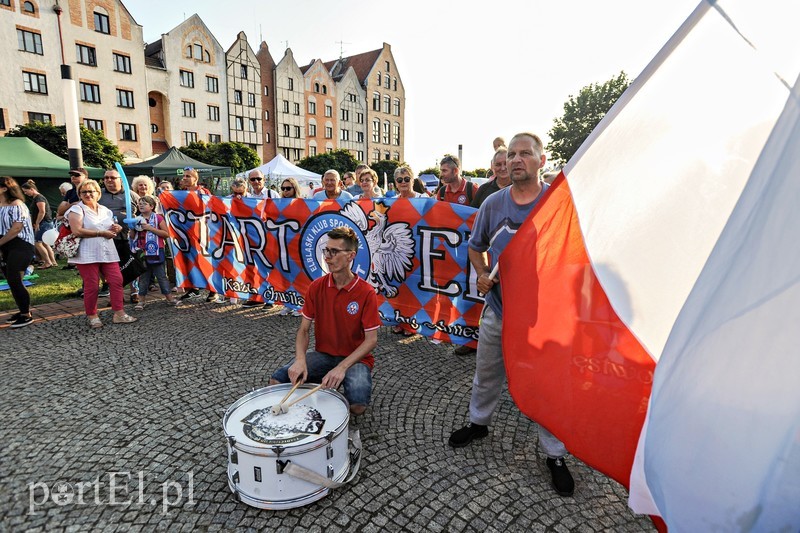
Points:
(254, 472)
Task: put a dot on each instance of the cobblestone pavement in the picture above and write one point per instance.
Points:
(147, 399)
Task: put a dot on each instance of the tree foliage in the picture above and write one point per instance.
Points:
(97, 150)
(432, 170)
(386, 166)
(581, 114)
(340, 160)
(238, 156)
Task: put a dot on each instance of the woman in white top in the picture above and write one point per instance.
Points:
(95, 226)
(16, 247)
(368, 180)
(404, 182)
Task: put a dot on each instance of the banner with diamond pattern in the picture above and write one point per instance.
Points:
(413, 251)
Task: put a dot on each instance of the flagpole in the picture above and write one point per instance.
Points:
(70, 103)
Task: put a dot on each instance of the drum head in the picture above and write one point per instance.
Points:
(251, 422)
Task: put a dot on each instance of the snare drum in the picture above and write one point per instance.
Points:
(313, 435)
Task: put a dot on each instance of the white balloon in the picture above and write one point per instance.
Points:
(49, 236)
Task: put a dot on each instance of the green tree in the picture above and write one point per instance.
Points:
(340, 160)
(385, 166)
(238, 156)
(97, 150)
(432, 170)
(581, 114)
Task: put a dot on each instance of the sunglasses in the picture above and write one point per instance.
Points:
(256, 179)
(289, 188)
(365, 180)
(84, 193)
(403, 180)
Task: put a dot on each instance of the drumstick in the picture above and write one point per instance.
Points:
(304, 396)
(276, 409)
(493, 273)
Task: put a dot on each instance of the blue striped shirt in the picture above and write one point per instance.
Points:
(9, 214)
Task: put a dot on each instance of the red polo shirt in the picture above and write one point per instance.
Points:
(341, 316)
(460, 196)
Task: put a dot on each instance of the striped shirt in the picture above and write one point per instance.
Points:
(9, 214)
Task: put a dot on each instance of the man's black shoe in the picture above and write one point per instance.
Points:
(251, 303)
(22, 321)
(562, 479)
(104, 292)
(13, 318)
(464, 350)
(268, 305)
(465, 435)
(191, 294)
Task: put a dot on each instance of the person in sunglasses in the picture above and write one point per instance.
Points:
(290, 188)
(344, 310)
(404, 182)
(257, 189)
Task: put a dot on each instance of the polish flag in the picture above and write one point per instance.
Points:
(659, 332)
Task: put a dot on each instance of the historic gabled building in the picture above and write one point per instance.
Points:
(380, 79)
(186, 77)
(267, 67)
(320, 109)
(244, 100)
(289, 102)
(103, 45)
(352, 114)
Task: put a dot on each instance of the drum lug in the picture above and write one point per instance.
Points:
(257, 473)
(235, 478)
(280, 465)
(278, 450)
(330, 471)
(329, 451)
(329, 436)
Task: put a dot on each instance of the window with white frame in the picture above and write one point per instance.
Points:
(360, 136)
(286, 106)
(386, 127)
(346, 115)
(376, 131)
(328, 110)
(312, 130)
(387, 104)
(359, 118)
(286, 130)
(312, 107)
(328, 132)
(396, 106)
(251, 99)
(396, 134)
(237, 97)
(291, 84)
(296, 107)
(376, 101)
(345, 134)
(252, 124)
(238, 123)
(243, 72)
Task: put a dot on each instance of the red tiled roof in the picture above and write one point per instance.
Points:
(361, 63)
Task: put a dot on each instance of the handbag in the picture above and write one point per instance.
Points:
(132, 268)
(67, 243)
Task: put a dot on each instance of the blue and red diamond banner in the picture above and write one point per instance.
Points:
(413, 251)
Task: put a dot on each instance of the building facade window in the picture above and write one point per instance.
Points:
(359, 118)
(286, 106)
(394, 84)
(285, 130)
(328, 132)
(266, 115)
(127, 132)
(237, 97)
(360, 156)
(243, 72)
(34, 83)
(396, 134)
(386, 156)
(376, 131)
(328, 110)
(93, 124)
(28, 7)
(312, 130)
(214, 138)
(312, 107)
(396, 107)
(266, 90)
(345, 134)
(197, 51)
(47, 118)
(360, 136)
(189, 109)
(386, 127)
(351, 97)
(324, 89)
(187, 78)
(266, 137)
(297, 132)
(296, 107)
(124, 98)
(153, 128)
(212, 84)
(387, 104)
(346, 115)
(376, 156)
(189, 137)
(213, 113)
(86, 55)
(29, 41)
(253, 125)
(376, 101)
(379, 79)
(238, 123)
(291, 84)
(90, 92)
(387, 66)
(101, 24)
(396, 156)
(386, 82)
(312, 150)
(122, 63)
(251, 99)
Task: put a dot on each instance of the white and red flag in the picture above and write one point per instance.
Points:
(652, 301)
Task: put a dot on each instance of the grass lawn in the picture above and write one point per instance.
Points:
(52, 285)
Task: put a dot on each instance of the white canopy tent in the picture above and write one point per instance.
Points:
(280, 168)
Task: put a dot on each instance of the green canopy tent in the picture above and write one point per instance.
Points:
(170, 165)
(23, 159)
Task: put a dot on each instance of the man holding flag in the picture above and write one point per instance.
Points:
(498, 220)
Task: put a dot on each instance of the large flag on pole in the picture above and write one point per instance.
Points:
(669, 244)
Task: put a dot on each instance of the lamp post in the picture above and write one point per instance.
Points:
(70, 103)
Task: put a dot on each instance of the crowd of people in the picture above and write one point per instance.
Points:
(341, 307)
